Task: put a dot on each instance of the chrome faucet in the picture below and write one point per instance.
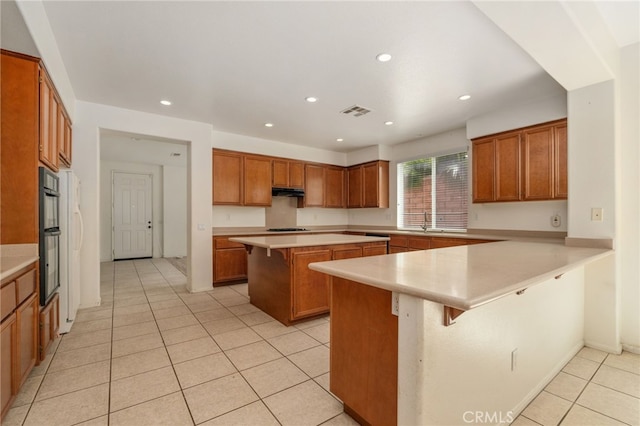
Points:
(424, 223)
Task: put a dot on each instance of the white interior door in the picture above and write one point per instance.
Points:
(132, 219)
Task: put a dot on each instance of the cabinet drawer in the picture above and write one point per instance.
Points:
(26, 285)
(223, 243)
(420, 243)
(8, 299)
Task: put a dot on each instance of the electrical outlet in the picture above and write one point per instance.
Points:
(596, 214)
(555, 220)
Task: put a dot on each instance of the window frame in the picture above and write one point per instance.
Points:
(433, 213)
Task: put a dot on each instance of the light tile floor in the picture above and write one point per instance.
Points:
(155, 354)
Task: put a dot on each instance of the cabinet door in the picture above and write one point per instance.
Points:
(280, 172)
(419, 243)
(48, 121)
(8, 352)
(354, 192)
(375, 184)
(334, 187)
(257, 181)
(296, 174)
(64, 137)
(45, 330)
(561, 189)
(310, 289)
(537, 159)
(314, 186)
(230, 264)
(507, 167)
(68, 141)
(26, 323)
(484, 170)
(227, 178)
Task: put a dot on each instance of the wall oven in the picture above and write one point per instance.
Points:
(49, 235)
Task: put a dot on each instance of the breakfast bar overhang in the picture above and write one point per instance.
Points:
(480, 329)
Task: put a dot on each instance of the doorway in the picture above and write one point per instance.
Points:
(132, 220)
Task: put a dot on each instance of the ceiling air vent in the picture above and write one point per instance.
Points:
(356, 111)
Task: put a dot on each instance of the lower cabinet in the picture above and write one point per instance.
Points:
(282, 285)
(364, 352)
(18, 332)
(309, 289)
(27, 336)
(49, 325)
(404, 243)
(229, 261)
(8, 351)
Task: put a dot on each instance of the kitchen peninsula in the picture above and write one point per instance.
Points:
(467, 333)
(280, 282)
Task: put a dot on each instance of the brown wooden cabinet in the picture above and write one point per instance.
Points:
(288, 173)
(19, 345)
(545, 162)
(49, 323)
(334, 187)
(282, 285)
(227, 177)
(65, 145)
(522, 165)
(229, 261)
(309, 289)
(8, 346)
(314, 189)
(364, 352)
(404, 243)
(256, 181)
(368, 185)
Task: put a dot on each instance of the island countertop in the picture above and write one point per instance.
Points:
(464, 277)
(304, 240)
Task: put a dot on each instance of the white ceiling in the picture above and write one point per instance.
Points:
(238, 65)
(133, 148)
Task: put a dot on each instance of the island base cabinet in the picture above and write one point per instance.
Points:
(364, 352)
(310, 289)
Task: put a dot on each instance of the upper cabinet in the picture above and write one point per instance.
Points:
(334, 187)
(522, 165)
(227, 178)
(34, 127)
(257, 181)
(368, 185)
(55, 126)
(241, 180)
(314, 188)
(288, 173)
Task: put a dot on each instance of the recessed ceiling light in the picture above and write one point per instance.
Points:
(383, 57)
(388, 123)
(311, 99)
(339, 140)
(465, 97)
(268, 124)
(165, 102)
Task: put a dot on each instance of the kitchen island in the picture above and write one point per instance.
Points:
(479, 329)
(280, 282)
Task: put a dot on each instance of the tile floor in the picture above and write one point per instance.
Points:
(155, 354)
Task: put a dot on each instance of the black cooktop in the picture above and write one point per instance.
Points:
(286, 229)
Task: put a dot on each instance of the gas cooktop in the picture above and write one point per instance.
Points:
(286, 229)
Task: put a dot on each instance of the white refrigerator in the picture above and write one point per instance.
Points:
(71, 235)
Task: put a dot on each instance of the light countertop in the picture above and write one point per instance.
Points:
(304, 240)
(464, 277)
(14, 257)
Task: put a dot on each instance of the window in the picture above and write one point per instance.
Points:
(433, 192)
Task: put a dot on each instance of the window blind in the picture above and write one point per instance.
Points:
(433, 192)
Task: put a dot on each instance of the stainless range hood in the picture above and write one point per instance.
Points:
(287, 192)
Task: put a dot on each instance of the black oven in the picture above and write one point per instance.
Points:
(49, 234)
